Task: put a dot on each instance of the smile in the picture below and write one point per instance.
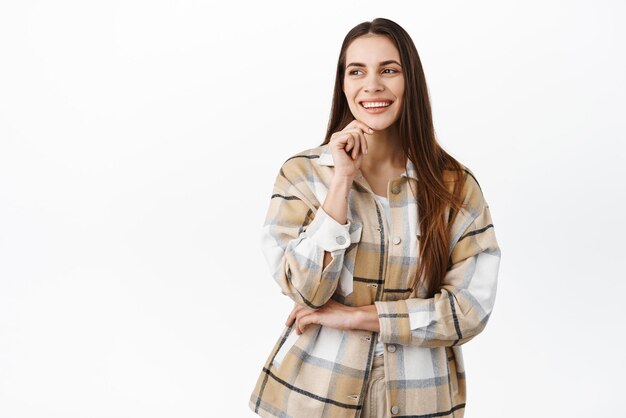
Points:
(374, 105)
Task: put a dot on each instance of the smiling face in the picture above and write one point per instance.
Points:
(373, 82)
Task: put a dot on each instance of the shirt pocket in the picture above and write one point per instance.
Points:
(346, 283)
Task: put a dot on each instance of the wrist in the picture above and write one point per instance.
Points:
(342, 180)
(336, 201)
(366, 318)
(355, 317)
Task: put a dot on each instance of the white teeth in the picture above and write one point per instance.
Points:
(369, 105)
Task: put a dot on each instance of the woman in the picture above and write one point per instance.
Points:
(385, 243)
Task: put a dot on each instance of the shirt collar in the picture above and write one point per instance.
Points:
(326, 158)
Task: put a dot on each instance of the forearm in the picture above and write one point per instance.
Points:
(336, 204)
(366, 318)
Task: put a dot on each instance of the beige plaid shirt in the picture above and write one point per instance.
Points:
(324, 372)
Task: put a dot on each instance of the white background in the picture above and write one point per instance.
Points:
(139, 142)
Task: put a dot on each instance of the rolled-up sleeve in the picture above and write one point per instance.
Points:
(295, 236)
(462, 306)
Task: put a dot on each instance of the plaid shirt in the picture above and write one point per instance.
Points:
(324, 372)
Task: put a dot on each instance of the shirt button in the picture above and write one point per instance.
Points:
(396, 240)
(341, 240)
(395, 409)
(395, 189)
(392, 349)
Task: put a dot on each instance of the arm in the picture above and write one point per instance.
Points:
(461, 308)
(304, 245)
(336, 204)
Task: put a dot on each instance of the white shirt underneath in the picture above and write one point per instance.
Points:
(380, 348)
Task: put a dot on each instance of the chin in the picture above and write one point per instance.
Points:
(377, 125)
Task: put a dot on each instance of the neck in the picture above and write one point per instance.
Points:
(384, 151)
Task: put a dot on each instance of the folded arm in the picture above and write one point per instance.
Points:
(462, 306)
(304, 246)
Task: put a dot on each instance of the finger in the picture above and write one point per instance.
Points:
(349, 143)
(339, 139)
(360, 137)
(298, 323)
(302, 324)
(294, 314)
(364, 144)
(348, 140)
(357, 144)
(362, 126)
(299, 311)
(306, 320)
(291, 317)
(296, 326)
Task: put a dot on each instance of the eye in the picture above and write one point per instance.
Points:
(353, 72)
(393, 71)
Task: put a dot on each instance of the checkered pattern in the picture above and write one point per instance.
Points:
(324, 372)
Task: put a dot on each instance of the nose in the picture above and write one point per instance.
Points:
(373, 83)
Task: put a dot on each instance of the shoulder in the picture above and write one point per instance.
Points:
(307, 155)
(306, 162)
(471, 191)
(473, 198)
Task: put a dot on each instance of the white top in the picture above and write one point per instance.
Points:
(385, 204)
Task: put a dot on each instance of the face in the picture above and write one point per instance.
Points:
(374, 83)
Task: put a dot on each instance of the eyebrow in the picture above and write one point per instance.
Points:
(382, 63)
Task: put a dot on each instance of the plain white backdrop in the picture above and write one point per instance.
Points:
(139, 142)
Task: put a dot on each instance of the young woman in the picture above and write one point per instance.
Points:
(385, 243)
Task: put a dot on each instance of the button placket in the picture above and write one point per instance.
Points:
(381, 228)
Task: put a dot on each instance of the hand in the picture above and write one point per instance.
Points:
(333, 314)
(348, 147)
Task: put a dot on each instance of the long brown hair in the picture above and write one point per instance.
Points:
(419, 143)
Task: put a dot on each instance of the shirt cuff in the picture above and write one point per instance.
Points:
(393, 318)
(327, 233)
